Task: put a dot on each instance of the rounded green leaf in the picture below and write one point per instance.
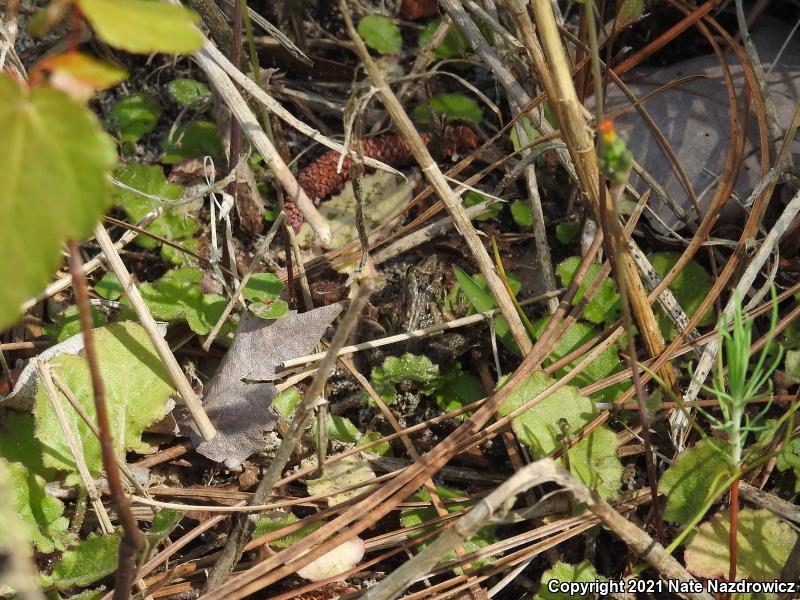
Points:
(143, 26)
(86, 562)
(55, 162)
(380, 34)
(272, 310)
(135, 116)
(188, 92)
(454, 44)
(198, 138)
(109, 287)
(262, 287)
(521, 213)
(454, 106)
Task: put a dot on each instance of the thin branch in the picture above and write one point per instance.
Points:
(132, 539)
(176, 374)
(501, 499)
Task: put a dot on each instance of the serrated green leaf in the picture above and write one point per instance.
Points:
(454, 106)
(521, 212)
(789, 458)
(411, 517)
(40, 514)
(86, 562)
(454, 44)
(267, 525)
(143, 27)
(68, 323)
(604, 307)
(172, 224)
(406, 368)
(381, 34)
(764, 543)
(177, 297)
(566, 231)
(262, 286)
(690, 288)
(137, 389)
(269, 310)
(285, 403)
(481, 300)
(594, 461)
(55, 163)
(188, 92)
(472, 198)
(580, 573)
(341, 429)
(18, 443)
(688, 483)
(108, 287)
(176, 257)
(198, 138)
(538, 427)
(135, 116)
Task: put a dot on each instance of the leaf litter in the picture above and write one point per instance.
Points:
(238, 397)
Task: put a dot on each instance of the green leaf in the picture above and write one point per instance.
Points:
(135, 116)
(40, 514)
(764, 543)
(607, 363)
(481, 300)
(285, 403)
(566, 231)
(267, 525)
(188, 92)
(164, 522)
(628, 12)
(109, 287)
(411, 517)
(604, 307)
(198, 138)
(454, 44)
(137, 389)
(789, 458)
(594, 461)
(529, 130)
(143, 27)
(262, 286)
(406, 368)
(454, 106)
(344, 473)
(341, 429)
(690, 288)
(580, 573)
(380, 34)
(172, 224)
(538, 427)
(269, 310)
(55, 163)
(521, 212)
(68, 323)
(458, 389)
(87, 70)
(86, 562)
(691, 479)
(18, 443)
(472, 198)
(177, 297)
(382, 449)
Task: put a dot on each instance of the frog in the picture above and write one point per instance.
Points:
(422, 306)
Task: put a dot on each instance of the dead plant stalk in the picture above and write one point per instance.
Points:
(132, 538)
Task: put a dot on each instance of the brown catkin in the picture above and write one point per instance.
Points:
(320, 178)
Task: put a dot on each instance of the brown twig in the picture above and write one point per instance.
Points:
(132, 539)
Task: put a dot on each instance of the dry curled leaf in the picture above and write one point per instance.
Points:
(237, 398)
